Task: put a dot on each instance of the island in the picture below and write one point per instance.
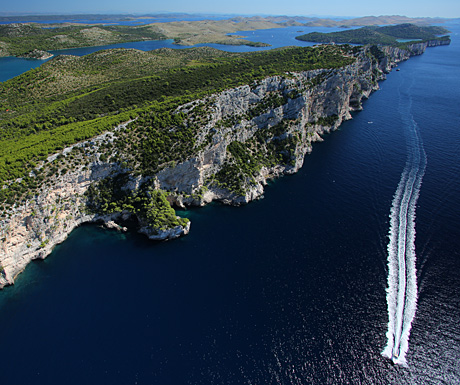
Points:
(397, 35)
(375, 21)
(125, 136)
(19, 39)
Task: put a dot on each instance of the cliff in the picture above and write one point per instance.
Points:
(45, 221)
(290, 128)
(245, 136)
(419, 48)
(392, 55)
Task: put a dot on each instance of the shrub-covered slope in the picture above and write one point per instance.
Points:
(388, 35)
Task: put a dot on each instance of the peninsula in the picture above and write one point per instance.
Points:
(127, 135)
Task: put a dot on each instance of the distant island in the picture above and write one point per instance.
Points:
(388, 35)
(19, 39)
(375, 20)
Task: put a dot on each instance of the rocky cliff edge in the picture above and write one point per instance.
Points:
(273, 136)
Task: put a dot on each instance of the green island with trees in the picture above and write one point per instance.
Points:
(20, 39)
(396, 35)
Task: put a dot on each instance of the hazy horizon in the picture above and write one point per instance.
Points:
(332, 8)
(142, 14)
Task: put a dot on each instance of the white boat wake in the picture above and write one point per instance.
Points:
(402, 280)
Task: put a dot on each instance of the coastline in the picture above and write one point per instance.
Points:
(37, 54)
(40, 224)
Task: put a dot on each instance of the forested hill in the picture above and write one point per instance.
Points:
(19, 39)
(70, 99)
(389, 35)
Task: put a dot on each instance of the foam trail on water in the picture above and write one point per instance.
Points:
(402, 280)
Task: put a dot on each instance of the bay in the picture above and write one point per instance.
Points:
(276, 37)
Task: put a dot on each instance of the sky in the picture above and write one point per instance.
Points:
(411, 8)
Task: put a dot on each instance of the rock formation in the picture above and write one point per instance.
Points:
(308, 104)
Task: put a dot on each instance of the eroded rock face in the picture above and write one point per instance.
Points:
(45, 221)
(315, 102)
(309, 103)
(165, 234)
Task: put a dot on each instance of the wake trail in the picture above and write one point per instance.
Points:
(402, 279)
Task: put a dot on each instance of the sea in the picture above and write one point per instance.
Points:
(300, 287)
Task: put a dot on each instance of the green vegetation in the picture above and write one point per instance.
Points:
(411, 31)
(72, 99)
(20, 39)
(388, 35)
(44, 243)
(33, 128)
(269, 147)
(149, 205)
(327, 121)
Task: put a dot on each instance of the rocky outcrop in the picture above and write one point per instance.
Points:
(392, 56)
(419, 48)
(37, 54)
(161, 235)
(35, 227)
(115, 226)
(294, 110)
(438, 42)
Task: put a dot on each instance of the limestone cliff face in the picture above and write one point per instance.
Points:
(307, 104)
(41, 223)
(45, 221)
(394, 55)
(315, 102)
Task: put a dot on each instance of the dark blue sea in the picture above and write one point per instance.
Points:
(290, 289)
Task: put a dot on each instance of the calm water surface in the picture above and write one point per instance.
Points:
(276, 37)
(286, 290)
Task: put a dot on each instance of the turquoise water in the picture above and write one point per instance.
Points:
(290, 289)
(406, 40)
(140, 45)
(13, 66)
